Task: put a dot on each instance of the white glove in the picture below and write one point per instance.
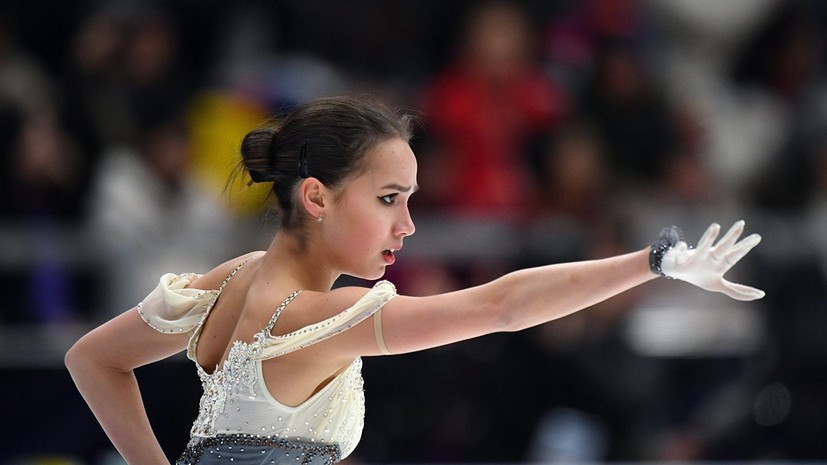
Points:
(705, 265)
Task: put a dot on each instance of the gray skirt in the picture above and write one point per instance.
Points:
(249, 449)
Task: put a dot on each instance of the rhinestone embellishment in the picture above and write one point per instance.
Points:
(239, 370)
(305, 453)
(238, 415)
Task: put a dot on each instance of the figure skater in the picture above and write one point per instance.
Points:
(278, 349)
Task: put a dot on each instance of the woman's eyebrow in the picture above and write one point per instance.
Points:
(401, 188)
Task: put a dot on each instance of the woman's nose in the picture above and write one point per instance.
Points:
(406, 225)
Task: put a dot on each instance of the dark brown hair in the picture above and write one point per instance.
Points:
(336, 132)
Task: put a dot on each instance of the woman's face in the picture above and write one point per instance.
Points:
(369, 218)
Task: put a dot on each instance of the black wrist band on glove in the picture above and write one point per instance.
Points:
(669, 236)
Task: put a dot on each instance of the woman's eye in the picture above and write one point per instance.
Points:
(388, 199)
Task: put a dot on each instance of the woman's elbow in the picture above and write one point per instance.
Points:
(495, 311)
(510, 322)
(502, 313)
(70, 358)
(503, 317)
(76, 356)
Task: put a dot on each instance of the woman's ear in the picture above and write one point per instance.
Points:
(313, 196)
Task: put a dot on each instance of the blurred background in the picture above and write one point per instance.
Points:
(548, 131)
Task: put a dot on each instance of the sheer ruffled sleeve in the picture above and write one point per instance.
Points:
(369, 304)
(172, 307)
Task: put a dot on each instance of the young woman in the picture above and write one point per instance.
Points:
(278, 350)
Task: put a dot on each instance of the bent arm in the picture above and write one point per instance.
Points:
(101, 364)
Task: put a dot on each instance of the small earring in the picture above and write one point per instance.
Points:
(319, 219)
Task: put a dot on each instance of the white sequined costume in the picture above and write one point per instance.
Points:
(237, 412)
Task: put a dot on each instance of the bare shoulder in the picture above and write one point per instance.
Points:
(330, 303)
(213, 278)
(311, 307)
(343, 297)
(405, 323)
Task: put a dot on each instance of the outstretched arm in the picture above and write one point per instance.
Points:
(533, 296)
(513, 302)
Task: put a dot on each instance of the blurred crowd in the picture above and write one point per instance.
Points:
(547, 131)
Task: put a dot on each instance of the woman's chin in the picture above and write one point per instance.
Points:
(372, 276)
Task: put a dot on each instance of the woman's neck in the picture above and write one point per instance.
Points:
(292, 260)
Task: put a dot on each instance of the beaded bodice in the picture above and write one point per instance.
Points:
(238, 372)
(236, 400)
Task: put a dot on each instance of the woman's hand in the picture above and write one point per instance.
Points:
(705, 265)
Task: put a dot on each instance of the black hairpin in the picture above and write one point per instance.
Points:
(303, 161)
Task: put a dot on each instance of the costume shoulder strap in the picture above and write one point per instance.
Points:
(370, 303)
(269, 328)
(195, 335)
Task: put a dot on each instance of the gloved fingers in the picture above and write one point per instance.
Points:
(708, 237)
(741, 292)
(722, 247)
(739, 250)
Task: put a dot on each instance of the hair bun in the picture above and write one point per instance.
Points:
(259, 176)
(256, 154)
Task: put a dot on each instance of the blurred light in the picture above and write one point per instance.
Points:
(695, 331)
(772, 405)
